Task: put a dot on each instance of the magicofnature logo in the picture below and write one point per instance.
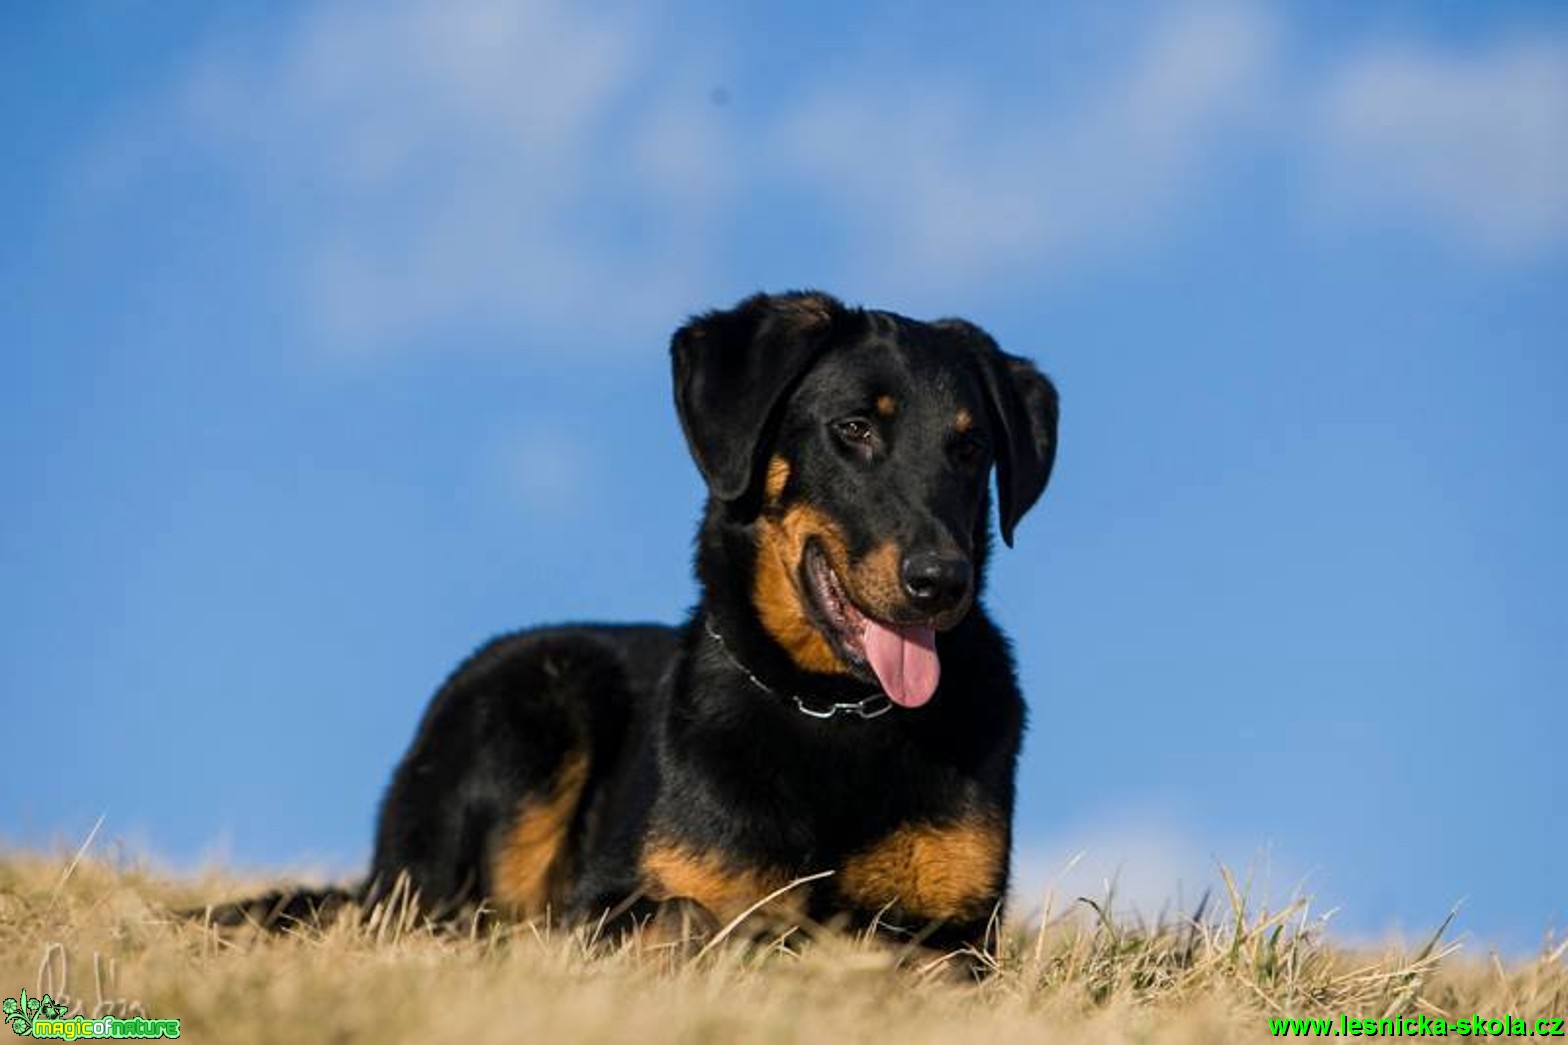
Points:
(45, 1018)
(21, 1013)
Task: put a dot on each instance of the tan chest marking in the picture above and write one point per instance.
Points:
(671, 871)
(530, 867)
(950, 872)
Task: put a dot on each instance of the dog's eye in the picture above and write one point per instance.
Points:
(968, 448)
(853, 430)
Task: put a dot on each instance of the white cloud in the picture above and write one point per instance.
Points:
(942, 183)
(457, 162)
(559, 173)
(499, 164)
(1150, 866)
(1473, 144)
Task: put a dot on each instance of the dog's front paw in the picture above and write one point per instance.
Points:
(679, 929)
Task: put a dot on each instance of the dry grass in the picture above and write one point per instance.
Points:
(103, 936)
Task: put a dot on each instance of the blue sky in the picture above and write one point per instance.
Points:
(332, 341)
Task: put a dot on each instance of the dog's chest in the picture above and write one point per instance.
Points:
(889, 825)
(951, 868)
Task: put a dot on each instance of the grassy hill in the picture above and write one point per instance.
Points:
(102, 938)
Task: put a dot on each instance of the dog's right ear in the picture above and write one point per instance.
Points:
(732, 370)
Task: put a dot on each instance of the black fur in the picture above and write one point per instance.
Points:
(696, 742)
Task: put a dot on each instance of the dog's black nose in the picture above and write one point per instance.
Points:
(936, 582)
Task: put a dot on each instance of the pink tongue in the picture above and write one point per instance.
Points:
(905, 661)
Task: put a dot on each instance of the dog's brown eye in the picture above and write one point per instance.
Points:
(853, 430)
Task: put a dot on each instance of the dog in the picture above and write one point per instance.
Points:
(832, 733)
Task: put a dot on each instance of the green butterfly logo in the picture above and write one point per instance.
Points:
(21, 1013)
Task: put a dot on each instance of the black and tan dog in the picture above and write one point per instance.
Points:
(838, 700)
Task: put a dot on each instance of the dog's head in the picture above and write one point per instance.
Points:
(859, 445)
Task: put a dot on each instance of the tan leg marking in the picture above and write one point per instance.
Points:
(949, 872)
(671, 871)
(530, 869)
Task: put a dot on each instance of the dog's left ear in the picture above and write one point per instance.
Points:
(733, 368)
(1023, 408)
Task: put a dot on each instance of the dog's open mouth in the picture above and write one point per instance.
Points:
(902, 657)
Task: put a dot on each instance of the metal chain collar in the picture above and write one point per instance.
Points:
(870, 707)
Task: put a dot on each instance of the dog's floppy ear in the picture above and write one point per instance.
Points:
(1023, 408)
(732, 369)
